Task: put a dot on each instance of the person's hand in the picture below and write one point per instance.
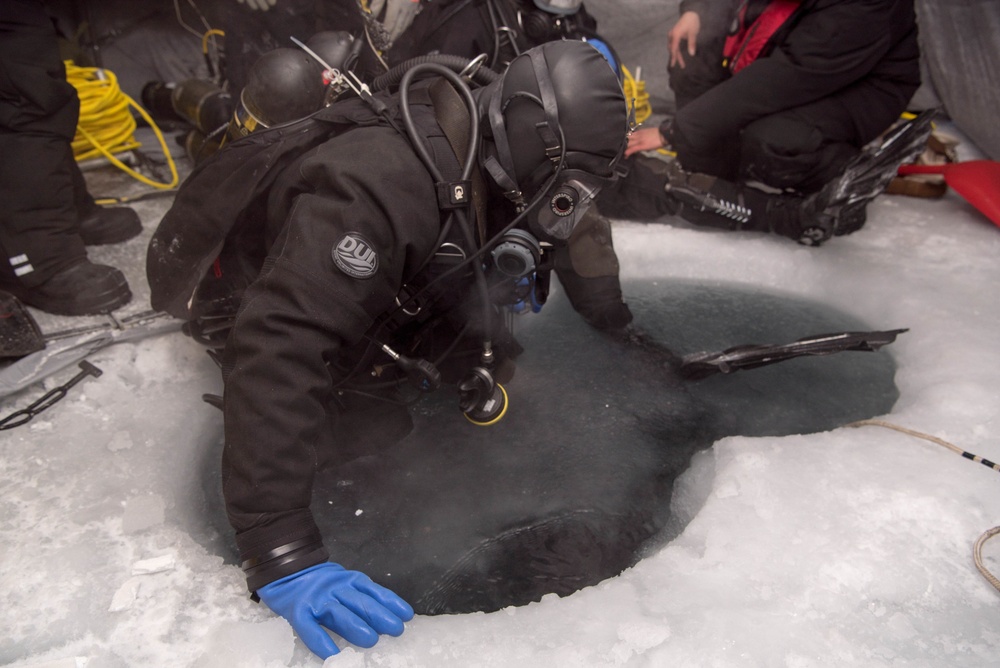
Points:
(686, 29)
(398, 15)
(644, 139)
(258, 5)
(346, 602)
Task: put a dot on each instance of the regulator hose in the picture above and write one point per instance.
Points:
(481, 75)
(106, 127)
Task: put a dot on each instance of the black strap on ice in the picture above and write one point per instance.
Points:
(26, 415)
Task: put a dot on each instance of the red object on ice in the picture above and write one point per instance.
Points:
(978, 181)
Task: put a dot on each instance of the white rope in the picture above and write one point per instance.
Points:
(977, 550)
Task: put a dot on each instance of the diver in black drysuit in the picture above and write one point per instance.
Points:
(359, 280)
(587, 267)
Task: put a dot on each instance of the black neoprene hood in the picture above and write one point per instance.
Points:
(564, 97)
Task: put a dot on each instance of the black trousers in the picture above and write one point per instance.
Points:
(798, 149)
(41, 187)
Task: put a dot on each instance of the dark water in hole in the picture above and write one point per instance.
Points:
(571, 485)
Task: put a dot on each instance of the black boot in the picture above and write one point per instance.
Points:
(83, 289)
(100, 226)
(713, 202)
(707, 200)
(840, 206)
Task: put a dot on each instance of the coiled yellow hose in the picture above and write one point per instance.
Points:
(635, 94)
(106, 127)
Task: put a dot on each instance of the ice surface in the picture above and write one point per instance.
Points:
(848, 547)
(264, 644)
(142, 512)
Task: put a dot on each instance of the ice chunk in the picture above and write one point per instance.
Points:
(165, 562)
(248, 644)
(125, 596)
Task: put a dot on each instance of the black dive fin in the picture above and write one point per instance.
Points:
(700, 365)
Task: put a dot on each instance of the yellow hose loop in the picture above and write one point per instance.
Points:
(636, 95)
(106, 127)
(207, 36)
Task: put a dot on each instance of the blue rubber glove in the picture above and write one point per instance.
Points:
(346, 602)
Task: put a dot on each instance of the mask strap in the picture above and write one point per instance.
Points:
(503, 179)
(501, 170)
(548, 130)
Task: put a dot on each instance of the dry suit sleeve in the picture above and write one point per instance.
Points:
(300, 311)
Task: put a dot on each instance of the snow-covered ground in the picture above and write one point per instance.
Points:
(851, 547)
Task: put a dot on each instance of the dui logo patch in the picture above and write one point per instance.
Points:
(355, 256)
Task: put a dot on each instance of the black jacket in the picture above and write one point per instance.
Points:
(862, 52)
(302, 323)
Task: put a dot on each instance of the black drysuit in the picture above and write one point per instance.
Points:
(307, 324)
(834, 76)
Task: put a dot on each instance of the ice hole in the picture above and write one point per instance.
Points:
(576, 483)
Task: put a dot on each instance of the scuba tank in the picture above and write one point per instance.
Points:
(287, 84)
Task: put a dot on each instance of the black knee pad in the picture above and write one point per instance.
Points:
(787, 154)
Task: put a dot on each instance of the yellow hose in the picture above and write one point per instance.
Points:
(106, 127)
(636, 95)
(207, 36)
